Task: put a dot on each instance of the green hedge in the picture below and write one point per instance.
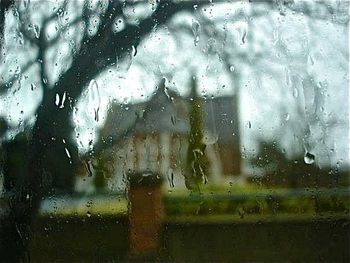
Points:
(294, 202)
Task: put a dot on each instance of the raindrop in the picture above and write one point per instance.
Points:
(173, 120)
(88, 168)
(68, 154)
(171, 179)
(311, 60)
(20, 38)
(63, 100)
(134, 51)
(195, 30)
(275, 37)
(88, 214)
(249, 124)
(309, 158)
(204, 178)
(57, 100)
(96, 115)
(89, 204)
(167, 94)
(36, 31)
(287, 116)
(232, 68)
(288, 80)
(241, 212)
(32, 86)
(244, 36)
(95, 98)
(26, 3)
(146, 174)
(295, 93)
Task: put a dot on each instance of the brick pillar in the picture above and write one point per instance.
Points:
(146, 213)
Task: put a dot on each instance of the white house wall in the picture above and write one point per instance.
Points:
(162, 153)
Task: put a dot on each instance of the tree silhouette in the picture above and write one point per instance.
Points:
(88, 31)
(197, 163)
(52, 150)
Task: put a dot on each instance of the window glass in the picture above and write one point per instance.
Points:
(174, 130)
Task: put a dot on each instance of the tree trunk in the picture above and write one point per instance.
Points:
(51, 151)
(43, 165)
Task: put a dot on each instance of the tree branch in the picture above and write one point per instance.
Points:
(106, 47)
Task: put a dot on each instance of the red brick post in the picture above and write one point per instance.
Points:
(146, 213)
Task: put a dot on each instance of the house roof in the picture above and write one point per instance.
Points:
(166, 111)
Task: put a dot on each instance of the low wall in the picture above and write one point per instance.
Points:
(292, 241)
(105, 239)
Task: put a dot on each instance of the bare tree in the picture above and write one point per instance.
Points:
(98, 35)
(51, 136)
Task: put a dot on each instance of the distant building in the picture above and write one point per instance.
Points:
(153, 136)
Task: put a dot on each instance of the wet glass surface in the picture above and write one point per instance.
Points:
(174, 131)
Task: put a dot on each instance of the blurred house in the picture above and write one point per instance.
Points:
(153, 136)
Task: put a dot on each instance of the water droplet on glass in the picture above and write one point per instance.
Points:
(60, 102)
(68, 154)
(288, 80)
(295, 93)
(88, 168)
(20, 38)
(166, 91)
(36, 30)
(195, 31)
(286, 116)
(204, 178)
(311, 60)
(173, 120)
(57, 100)
(88, 214)
(275, 37)
(95, 99)
(146, 174)
(244, 36)
(171, 179)
(89, 204)
(134, 51)
(309, 158)
(232, 68)
(241, 212)
(63, 100)
(26, 3)
(32, 86)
